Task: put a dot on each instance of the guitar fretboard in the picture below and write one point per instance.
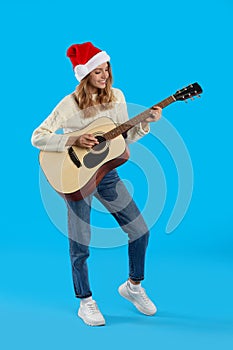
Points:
(136, 120)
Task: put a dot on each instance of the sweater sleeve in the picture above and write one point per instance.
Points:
(45, 137)
(137, 131)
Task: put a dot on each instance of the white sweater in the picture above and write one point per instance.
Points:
(68, 116)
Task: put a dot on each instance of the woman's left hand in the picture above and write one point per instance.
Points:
(155, 114)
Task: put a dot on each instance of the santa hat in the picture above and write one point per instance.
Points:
(85, 57)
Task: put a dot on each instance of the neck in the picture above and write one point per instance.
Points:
(92, 90)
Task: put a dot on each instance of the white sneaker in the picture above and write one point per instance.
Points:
(90, 314)
(138, 298)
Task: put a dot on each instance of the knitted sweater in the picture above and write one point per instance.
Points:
(69, 117)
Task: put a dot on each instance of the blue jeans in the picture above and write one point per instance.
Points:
(114, 196)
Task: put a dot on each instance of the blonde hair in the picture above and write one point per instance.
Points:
(104, 99)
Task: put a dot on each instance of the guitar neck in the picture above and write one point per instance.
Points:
(121, 129)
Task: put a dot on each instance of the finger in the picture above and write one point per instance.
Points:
(90, 142)
(90, 137)
(157, 108)
(154, 115)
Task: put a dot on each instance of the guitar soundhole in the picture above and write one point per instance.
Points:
(101, 145)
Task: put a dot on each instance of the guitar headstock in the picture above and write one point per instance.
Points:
(188, 92)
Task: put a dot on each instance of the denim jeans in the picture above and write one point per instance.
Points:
(114, 196)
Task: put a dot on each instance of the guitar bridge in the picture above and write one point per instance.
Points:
(74, 157)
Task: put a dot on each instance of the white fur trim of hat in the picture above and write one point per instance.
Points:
(82, 70)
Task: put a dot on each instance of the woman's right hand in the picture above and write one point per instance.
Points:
(84, 141)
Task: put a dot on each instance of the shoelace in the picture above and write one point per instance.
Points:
(144, 296)
(92, 307)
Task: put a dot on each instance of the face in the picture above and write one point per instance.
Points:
(98, 77)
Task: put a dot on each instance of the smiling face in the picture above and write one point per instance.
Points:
(98, 78)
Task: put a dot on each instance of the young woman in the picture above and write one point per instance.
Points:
(93, 98)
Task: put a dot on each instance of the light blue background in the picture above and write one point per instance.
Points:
(156, 48)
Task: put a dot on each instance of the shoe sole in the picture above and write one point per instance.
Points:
(125, 295)
(89, 323)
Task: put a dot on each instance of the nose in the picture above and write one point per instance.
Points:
(104, 74)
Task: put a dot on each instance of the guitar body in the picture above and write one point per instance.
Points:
(76, 172)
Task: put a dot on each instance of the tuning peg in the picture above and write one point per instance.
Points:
(192, 98)
(198, 96)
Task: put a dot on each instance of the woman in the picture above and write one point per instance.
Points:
(95, 97)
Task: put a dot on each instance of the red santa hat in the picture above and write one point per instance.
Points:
(85, 57)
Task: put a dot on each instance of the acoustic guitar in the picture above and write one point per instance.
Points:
(76, 172)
